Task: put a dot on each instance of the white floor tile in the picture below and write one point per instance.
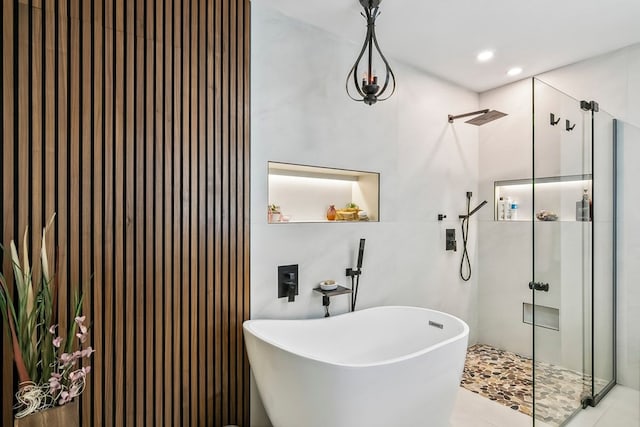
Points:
(620, 408)
(473, 410)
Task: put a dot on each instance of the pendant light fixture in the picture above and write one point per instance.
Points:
(369, 90)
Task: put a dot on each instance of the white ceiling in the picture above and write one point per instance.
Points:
(443, 37)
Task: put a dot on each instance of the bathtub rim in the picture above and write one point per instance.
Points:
(246, 325)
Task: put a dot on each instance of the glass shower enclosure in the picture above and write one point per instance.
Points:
(572, 213)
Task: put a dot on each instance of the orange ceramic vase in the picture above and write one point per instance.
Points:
(331, 213)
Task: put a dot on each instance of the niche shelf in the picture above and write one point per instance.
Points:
(546, 317)
(304, 193)
(558, 194)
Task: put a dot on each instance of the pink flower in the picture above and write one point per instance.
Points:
(74, 391)
(87, 352)
(68, 359)
(80, 373)
(80, 319)
(82, 337)
(83, 329)
(64, 398)
(52, 329)
(54, 381)
(57, 341)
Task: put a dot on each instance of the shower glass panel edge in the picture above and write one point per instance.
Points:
(604, 310)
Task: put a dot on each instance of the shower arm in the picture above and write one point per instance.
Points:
(459, 116)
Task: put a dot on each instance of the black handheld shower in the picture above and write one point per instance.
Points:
(465, 236)
(360, 254)
(355, 276)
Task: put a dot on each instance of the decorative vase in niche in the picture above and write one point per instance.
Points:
(58, 416)
(331, 213)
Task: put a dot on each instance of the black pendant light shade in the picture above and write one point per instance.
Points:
(369, 90)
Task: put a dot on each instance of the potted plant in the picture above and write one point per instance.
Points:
(48, 360)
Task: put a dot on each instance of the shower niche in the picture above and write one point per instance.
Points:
(556, 197)
(303, 194)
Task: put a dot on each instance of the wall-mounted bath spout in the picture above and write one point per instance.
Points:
(484, 116)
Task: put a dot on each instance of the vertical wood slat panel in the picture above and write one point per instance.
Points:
(98, 74)
(119, 212)
(163, 371)
(210, 200)
(185, 291)
(202, 219)
(107, 347)
(130, 121)
(36, 124)
(219, 331)
(224, 203)
(87, 187)
(143, 294)
(154, 291)
(8, 195)
(129, 249)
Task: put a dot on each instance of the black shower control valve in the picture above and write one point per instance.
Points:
(539, 286)
(288, 282)
(451, 244)
(441, 217)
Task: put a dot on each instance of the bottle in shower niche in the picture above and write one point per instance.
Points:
(583, 207)
(507, 208)
(514, 210)
(501, 206)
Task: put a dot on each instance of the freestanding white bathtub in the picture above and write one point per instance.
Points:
(384, 366)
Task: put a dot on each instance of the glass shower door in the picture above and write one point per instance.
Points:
(562, 252)
(603, 312)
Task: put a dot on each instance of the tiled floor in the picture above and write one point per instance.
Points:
(506, 378)
(473, 410)
(620, 408)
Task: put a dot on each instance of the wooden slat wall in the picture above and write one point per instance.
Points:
(130, 120)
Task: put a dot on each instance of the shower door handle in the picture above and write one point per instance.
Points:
(539, 286)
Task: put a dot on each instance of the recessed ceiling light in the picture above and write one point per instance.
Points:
(485, 55)
(514, 71)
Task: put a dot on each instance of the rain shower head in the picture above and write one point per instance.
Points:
(484, 116)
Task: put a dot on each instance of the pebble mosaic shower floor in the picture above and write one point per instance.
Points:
(505, 377)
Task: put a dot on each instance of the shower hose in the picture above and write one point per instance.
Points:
(465, 253)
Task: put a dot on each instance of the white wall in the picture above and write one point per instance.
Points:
(301, 114)
(504, 247)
